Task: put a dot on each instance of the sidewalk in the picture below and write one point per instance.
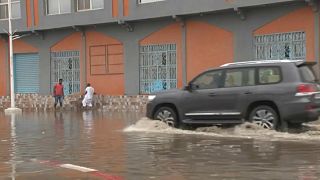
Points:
(36, 102)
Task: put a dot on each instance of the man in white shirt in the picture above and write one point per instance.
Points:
(87, 100)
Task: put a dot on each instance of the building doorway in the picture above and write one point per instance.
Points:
(158, 68)
(26, 70)
(66, 65)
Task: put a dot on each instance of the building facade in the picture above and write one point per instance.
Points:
(143, 46)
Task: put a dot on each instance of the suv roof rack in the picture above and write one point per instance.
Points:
(262, 62)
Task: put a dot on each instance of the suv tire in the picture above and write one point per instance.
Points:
(167, 115)
(264, 116)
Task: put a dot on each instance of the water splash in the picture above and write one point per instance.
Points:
(247, 130)
(147, 125)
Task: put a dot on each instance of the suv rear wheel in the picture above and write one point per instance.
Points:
(264, 116)
(167, 115)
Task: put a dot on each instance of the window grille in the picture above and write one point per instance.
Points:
(291, 45)
(158, 68)
(66, 65)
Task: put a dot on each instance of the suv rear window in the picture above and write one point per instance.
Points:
(307, 74)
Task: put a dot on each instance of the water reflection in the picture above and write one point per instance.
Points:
(58, 124)
(88, 120)
(214, 158)
(13, 146)
(95, 140)
(91, 139)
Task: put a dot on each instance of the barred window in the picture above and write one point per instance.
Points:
(158, 68)
(66, 65)
(291, 45)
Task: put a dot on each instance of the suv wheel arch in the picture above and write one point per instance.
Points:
(169, 105)
(281, 124)
(261, 103)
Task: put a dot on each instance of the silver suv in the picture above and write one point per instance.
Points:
(272, 94)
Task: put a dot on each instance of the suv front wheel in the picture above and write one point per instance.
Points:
(264, 116)
(167, 115)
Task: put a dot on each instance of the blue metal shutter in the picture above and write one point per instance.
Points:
(26, 69)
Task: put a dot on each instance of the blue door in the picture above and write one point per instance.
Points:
(26, 70)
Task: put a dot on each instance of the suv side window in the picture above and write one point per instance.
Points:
(239, 77)
(208, 80)
(269, 75)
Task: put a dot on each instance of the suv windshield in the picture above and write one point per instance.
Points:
(307, 74)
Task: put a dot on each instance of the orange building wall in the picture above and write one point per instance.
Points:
(208, 46)
(168, 35)
(299, 20)
(70, 43)
(115, 8)
(29, 13)
(36, 12)
(19, 46)
(3, 75)
(108, 84)
(126, 7)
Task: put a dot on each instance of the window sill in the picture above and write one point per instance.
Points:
(58, 14)
(11, 19)
(142, 3)
(86, 10)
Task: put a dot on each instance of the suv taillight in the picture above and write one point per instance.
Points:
(306, 88)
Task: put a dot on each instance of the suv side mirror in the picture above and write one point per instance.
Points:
(187, 88)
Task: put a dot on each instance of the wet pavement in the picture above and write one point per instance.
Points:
(106, 145)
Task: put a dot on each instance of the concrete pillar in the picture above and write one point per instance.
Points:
(131, 67)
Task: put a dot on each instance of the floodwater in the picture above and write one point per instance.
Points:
(114, 146)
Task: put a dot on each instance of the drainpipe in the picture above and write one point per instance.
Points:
(182, 23)
(84, 58)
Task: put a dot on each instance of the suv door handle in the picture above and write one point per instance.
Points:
(212, 94)
(248, 92)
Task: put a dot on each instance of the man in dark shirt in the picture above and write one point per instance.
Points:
(58, 93)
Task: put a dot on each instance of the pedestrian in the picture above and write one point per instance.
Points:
(58, 93)
(88, 95)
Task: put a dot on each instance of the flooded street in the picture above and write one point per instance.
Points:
(105, 145)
